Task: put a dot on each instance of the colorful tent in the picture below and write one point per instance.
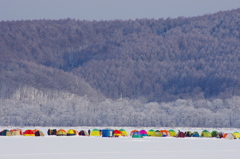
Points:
(158, 133)
(172, 133)
(195, 134)
(39, 133)
(180, 134)
(214, 133)
(188, 134)
(228, 136)
(124, 132)
(95, 132)
(83, 133)
(151, 132)
(165, 133)
(219, 135)
(133, 132)
(29, 133)
(206, 133)
(143, 133)
(52, 132)
(136, 134)
(236, 135)
(6, 133)
(117, 133)
(107, 133)
(61, 132)
(71, 132)
(16, 132)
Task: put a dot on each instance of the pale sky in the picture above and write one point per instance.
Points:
(110, 9)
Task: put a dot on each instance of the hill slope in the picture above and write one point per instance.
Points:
(160, 60)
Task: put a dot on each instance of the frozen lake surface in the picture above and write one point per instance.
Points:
(62, 147)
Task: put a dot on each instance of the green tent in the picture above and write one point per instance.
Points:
(214, 133)
(206, 133)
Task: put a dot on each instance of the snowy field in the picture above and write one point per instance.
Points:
(77, 147)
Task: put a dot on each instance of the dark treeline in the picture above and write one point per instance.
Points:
(162, 60)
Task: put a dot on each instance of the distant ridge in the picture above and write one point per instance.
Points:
(158, 60)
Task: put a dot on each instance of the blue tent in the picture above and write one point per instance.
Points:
(136, 135)
(195, 134)
(107, 132)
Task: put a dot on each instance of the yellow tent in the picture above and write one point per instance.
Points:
(158, 133)
(95, 132)
(71, 132)
(124, 132)
(236, 135)
(151, 132)
(172, 133)
(61, 132)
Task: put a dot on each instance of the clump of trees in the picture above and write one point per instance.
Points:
(66, 109)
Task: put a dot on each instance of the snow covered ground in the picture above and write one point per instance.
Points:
(21, 147)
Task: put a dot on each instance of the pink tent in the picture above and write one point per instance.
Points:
(143, 133)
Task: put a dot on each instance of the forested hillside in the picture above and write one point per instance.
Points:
(150, 60)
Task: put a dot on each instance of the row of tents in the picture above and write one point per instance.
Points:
(121, 133)
(143, 133)
(18, 132)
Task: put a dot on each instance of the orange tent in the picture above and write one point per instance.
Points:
(133, 132)
(165, 133)
(61, 132)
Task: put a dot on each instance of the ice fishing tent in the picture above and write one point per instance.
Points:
(236, 135)
(95, 132)
(219, 135)
(157, 133)
(117, 133)
(214, 133)
(172, 133)
(228, 136)
(6, 133)
(165, 133)
(29, 133)
(136, 135)
(206, 133)
(133, 132)
(52, 132)
(83, 133)
(195, 134)
(16, 132)
(61, 132)
(143, 133)
(151, 132)
(188, 134)
(38, 133)
(124, 132)
(107, 133)
(71, 132)
(180, 134)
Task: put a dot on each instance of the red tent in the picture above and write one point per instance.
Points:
(29, 133)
